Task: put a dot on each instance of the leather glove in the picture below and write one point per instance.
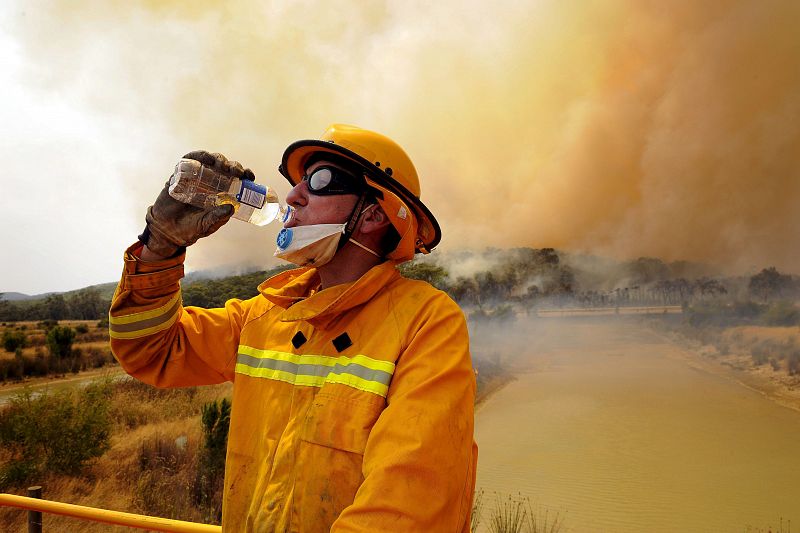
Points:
(173, 225)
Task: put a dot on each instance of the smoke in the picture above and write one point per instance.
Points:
(668, 129)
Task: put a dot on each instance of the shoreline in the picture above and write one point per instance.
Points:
(776, 386)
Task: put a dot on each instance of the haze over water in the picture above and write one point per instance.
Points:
(608, 423)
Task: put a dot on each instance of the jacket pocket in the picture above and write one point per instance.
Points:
(330, 458)
(341, 422)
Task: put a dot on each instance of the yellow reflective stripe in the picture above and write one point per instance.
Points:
(359, 371)
(314, 381)
(324, 360)
(144, 315)
(144, 332)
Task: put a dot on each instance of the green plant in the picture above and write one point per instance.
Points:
(13, 340)
(82, 329)
(508, 515)
(516, 514)
(56, 433)
(59, 341)
(216, 418)
(781, 313)
(477, 511)
(542, 520)
(47, 325)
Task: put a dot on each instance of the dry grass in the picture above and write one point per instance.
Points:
(150, 468)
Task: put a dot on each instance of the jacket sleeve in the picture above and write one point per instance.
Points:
(420, 458)
(162, 343)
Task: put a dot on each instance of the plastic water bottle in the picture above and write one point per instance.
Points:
(198, 185)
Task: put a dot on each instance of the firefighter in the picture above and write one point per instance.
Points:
(353, 387)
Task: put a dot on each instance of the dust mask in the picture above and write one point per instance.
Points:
(311, 246)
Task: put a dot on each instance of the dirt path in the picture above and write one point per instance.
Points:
(38, 385)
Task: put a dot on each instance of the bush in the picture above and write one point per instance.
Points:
(56, 433)
(59, 341)
(782, 314)
(82, 329)
(760, 352)
(13, 340)
(216, 420)
(47, 325)
(793, 363)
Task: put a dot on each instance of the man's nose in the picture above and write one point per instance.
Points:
(298, 196)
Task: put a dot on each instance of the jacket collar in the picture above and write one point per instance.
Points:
(295, 291)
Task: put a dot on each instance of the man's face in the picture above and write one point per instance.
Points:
(311, 208)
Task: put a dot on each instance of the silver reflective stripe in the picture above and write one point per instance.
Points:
(358, 371)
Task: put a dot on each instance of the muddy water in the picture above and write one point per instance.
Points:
(608, 424)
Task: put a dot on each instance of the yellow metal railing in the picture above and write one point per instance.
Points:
(117, 518)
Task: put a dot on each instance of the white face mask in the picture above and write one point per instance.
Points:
(311, 246)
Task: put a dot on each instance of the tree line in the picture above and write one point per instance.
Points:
(517, 277)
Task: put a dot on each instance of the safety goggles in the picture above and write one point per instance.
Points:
(326, 180)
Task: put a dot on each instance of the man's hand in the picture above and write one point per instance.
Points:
(173, 225)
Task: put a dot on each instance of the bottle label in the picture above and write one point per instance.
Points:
(252, 193)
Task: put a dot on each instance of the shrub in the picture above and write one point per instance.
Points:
(793, 363)
(508, 515)
(216, 420)
(47, 325)
(56, 433)
(760, 353)
(782, 313)
(517, 515)
(59, 341)
(82, 329)
(13, 340)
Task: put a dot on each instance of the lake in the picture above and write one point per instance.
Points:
(608, 424)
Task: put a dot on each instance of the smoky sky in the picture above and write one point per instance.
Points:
(641, 128)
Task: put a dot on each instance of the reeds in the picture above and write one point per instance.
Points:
(516, 514)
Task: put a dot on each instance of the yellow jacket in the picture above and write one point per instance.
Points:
(352, 406)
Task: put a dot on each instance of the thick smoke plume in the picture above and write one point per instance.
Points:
(667, 129)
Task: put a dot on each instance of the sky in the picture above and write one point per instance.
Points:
(617, 128)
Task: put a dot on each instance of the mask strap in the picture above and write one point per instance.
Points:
(373, 252)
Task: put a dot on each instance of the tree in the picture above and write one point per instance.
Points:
(59, 341)
(87, 304)
(432, 273)
(647, 270)
(709, 287)
(56, 307)
(8, 311)
(769, 283)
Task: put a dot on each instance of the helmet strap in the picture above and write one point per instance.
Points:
(353, 220)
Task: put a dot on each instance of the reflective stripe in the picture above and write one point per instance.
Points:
(360, 372)
(137, 325)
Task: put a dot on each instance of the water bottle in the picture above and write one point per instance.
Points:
(198, 185)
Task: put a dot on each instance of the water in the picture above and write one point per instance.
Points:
(201, 186)
(609, 424)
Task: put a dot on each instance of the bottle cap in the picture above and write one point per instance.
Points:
(284, 238)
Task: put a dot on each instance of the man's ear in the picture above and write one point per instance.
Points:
(374, 219)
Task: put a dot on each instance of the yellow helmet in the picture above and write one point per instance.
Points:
(388, 169)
